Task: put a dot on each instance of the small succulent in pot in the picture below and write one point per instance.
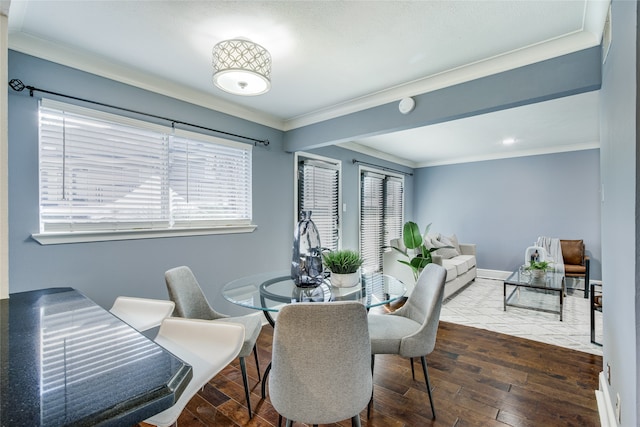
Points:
(538, 269)
(539, 265)
(343, 261)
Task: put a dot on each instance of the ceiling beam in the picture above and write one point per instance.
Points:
(565, 75)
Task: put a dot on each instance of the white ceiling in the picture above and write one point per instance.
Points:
(335, 57)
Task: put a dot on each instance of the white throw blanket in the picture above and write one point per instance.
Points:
(554, 252)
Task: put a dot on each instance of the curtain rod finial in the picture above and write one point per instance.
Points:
(17, 85)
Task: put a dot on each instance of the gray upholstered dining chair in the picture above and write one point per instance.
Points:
(321, 362)
(191, 303)
(411, 330)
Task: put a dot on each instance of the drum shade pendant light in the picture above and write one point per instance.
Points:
(241, 67)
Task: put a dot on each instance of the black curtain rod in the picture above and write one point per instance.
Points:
(18, 86)
(381, 167)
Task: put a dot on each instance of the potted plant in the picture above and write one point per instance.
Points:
(344, 266)
(538, 269)
(420, 254)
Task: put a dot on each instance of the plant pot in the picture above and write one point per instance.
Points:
(538, 275)
(345, 280)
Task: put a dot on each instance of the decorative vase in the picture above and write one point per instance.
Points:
(345, 280)
(306, 261)
(310, 294)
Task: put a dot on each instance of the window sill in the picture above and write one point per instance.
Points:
(105, 236)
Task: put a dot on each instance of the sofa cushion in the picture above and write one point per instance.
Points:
(470, 260)
(459, 264)
(428, 242)
(452, 241)
(445, 253)
(452, 271)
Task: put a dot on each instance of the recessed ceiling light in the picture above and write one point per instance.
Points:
(508, 141)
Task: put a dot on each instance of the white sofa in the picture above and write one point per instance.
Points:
(461, 268)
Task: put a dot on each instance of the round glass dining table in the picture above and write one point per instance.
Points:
(269, 292)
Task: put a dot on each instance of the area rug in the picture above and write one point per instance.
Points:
(480, 305)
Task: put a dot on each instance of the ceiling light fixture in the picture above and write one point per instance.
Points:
(508, 141)
(241, 67)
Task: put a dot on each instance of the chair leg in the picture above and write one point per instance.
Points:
(426, 379)
(279, 420)
(243, 368)
(370, 405)
(413, 372)
(264, 380)
(289, 423)
(586, 278)
(355, 421)
(255, 353)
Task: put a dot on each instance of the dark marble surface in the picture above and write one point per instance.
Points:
(65, 361)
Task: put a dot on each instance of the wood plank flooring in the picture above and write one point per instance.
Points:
(479, 378)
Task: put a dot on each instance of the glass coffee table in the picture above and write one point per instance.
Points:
(545, 294)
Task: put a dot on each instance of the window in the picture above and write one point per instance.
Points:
(318, 191)
(102, 173)
(381, 214)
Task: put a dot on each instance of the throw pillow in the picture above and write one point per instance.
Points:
(445, 253)
(428, 242)
(452, 241)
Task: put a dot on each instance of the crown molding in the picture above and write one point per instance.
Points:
(85, 61)
(354, 146)
(590, 35)
(512, 154)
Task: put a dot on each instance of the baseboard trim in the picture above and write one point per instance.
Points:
(493, 274)
(605, 407)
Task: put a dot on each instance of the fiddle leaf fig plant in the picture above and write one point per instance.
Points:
(414, 241)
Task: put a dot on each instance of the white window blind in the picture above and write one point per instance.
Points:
(381, 215)
(393, 208)
(319, 192)
(103, 172)
(210, 183)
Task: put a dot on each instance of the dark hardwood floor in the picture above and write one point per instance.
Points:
(479, 378)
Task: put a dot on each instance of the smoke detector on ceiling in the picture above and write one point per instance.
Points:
(406, 105)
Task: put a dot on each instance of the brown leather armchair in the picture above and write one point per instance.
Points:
(576, 263)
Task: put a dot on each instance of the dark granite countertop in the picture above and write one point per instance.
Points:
(65, 361)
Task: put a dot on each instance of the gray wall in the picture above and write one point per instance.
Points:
(103, 270)
(504, 205)
(619, 170)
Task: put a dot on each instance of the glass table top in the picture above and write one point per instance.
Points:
(552, 280)
(270, 291)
